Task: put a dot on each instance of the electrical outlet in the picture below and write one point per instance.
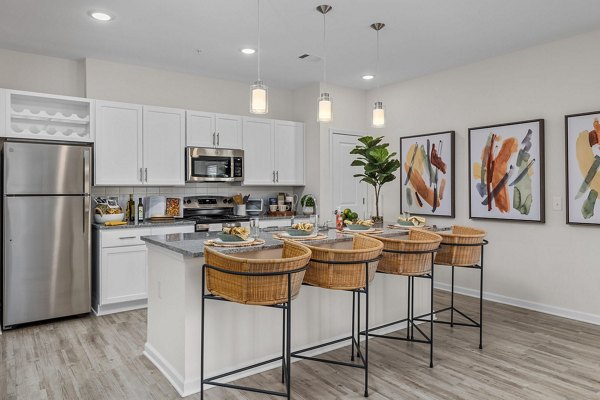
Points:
(557, 203)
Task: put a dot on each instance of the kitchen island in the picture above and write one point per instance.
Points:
(239, 335)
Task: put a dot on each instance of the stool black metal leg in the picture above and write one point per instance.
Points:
(353, 324)
(431, 320)
(408, 309)
(358, 325)
(202, 336)
(288, 355)
(481, 302)
(412, 309)
(283, 341)
(366, 330)
(452, 300)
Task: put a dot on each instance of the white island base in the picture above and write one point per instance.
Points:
(239, 335)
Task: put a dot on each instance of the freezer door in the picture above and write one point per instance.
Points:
(46, 257)
(43, 169)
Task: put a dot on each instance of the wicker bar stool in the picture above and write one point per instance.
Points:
(262, 282)
(352, 271)
(413, 258)
(462, 247)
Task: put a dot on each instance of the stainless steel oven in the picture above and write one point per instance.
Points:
(214, 165)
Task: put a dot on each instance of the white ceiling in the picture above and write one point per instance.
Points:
(420, 37)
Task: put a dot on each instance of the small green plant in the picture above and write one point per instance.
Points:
(307, 201)
(378, 163)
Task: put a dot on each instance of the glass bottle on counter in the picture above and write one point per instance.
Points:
(131, 209)
(140, 210)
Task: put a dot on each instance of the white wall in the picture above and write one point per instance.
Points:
(32, 72)
(135, 84)
(551, 266)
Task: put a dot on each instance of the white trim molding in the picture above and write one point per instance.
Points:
(530, 305)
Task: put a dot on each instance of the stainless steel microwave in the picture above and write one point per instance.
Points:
(214, 165)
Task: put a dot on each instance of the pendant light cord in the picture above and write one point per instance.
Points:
(378, 77)
(258, 34)
(324, 53)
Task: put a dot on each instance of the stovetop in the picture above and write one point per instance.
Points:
(211, 210)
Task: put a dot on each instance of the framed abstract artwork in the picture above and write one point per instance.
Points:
(506, 172)
(427, 174)
(582, 135)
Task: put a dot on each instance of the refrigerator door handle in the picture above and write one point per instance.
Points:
(86, 213)
(86, 171)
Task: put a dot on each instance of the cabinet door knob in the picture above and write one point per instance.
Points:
(273, 176)
(277, 176)
(218, 138)
(146, 171)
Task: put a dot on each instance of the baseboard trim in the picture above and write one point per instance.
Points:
(530, 305)
(166, 368)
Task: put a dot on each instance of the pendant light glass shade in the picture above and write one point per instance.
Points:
(259, 98)
(378, 115)
(325, 108)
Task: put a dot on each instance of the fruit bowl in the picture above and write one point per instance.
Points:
(100, 219)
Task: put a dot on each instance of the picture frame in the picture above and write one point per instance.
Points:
(427, 176)
(515, 154)
(582, 168)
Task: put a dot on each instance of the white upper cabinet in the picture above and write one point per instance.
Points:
(214, 130)
(2, 113)
(139, 145)
(29, 115)
(201, 131)
(229, 131)
(258, 152)
(118, 150)
(163, 144)
(289, 153)
(273, 152)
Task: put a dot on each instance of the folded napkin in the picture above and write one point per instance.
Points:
(303, 227)
(416, 221)
(115, 223)
(239, 231)
(364, 222)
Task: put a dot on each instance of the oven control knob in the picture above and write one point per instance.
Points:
(188, 201)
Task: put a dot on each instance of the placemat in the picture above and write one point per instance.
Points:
(256, 242)
(320, 236)
(406, 228)
(376, 231)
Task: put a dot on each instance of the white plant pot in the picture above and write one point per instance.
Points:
(308, 210)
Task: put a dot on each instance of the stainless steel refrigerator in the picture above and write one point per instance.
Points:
(45, 231)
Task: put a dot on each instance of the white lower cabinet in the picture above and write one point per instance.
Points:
(124, 274)
(279, 223)
(120, 267)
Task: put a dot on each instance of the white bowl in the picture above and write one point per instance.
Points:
(100, 219)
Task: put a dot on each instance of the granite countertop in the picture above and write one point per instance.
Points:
(146, 224)
(192, 244)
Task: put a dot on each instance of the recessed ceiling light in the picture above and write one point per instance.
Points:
(368, 77)
(101, 16)
(248, 51)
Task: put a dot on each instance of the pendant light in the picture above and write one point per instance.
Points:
(325, 104)
(259, 93)
(378, 110)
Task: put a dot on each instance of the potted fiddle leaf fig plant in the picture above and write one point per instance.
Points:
(379, 166)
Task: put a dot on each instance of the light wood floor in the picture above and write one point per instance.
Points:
(527, 355)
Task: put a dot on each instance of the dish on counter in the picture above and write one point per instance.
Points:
(223, 237)
(297, 233)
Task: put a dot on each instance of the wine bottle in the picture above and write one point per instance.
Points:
(140, 210)
(131, 208)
